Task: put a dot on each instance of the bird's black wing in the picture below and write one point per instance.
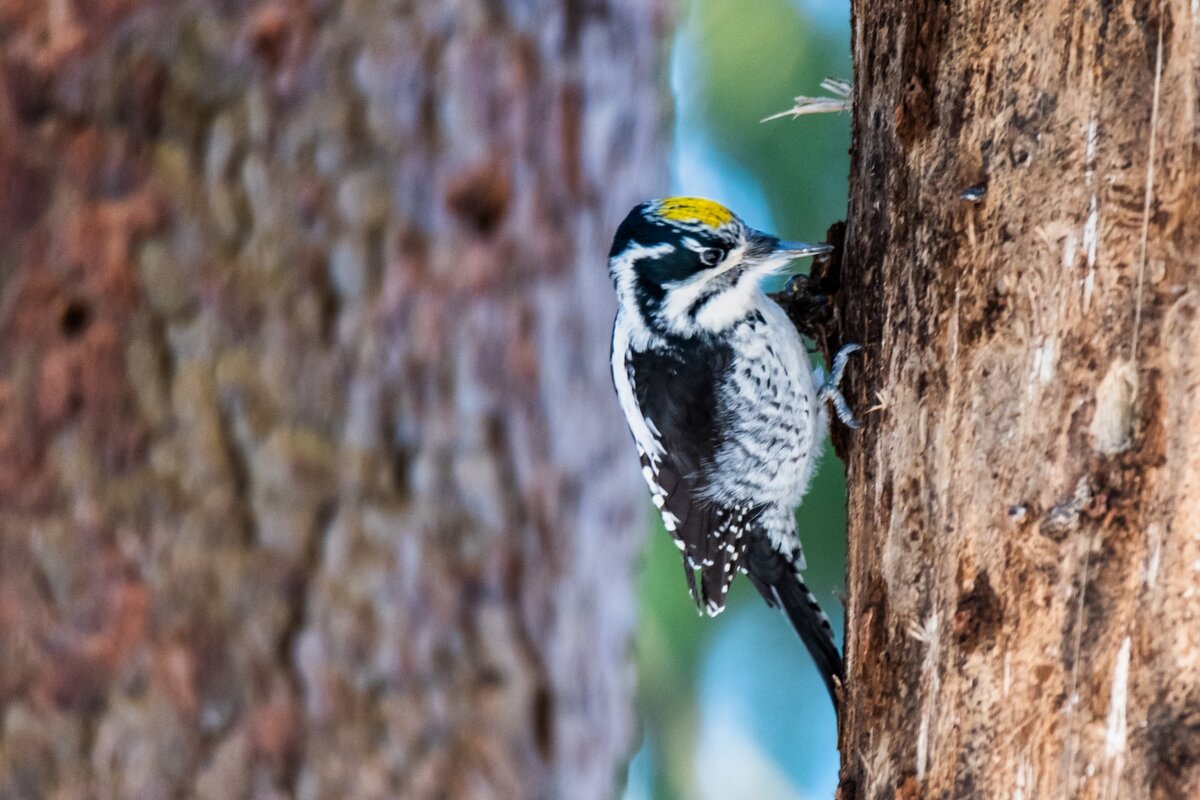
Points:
(676, 389)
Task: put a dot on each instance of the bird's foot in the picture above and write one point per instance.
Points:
(831, 389)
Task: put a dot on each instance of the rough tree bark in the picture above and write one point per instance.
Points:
(311, 481)
(1024, 577)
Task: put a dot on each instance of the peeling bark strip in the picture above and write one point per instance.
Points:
(311, 479)
(1024, 579)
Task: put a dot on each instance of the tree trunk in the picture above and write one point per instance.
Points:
(1024, 576)
(311, 479)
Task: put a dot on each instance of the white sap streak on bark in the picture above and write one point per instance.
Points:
(927, 634)
(1114, 736)
(1091, 226)
(1045, 358)
(1023, 780)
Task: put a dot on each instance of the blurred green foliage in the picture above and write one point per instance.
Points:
(750, 59)
(734, 64)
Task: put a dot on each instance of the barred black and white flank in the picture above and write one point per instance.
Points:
(727, 413)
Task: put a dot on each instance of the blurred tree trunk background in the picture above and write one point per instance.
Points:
(1024, 267)
(311, 479)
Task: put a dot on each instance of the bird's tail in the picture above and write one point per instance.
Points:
(775, 576)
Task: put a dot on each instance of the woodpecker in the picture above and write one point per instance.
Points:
(727, 413)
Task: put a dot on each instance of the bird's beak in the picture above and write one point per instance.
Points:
(790, 250)
(767, 253)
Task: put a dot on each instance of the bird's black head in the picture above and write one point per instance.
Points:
(687, 264)
(670, 240)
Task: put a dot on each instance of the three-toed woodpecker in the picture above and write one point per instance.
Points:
(726, 410)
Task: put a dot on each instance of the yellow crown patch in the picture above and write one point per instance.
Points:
(695, 210)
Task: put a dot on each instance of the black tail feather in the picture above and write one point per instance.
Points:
(777, 580)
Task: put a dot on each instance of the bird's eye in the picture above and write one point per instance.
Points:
(711, 256)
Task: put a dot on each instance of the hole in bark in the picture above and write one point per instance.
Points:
(141, 97)
(269, 36)
(543, 721)
(1171, 735)
(978, 615)
(480, 196)
(75, 319)
(30, 91)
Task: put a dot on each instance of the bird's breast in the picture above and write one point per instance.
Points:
(770, 414)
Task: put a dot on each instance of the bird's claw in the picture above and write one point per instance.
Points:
(831, 392)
